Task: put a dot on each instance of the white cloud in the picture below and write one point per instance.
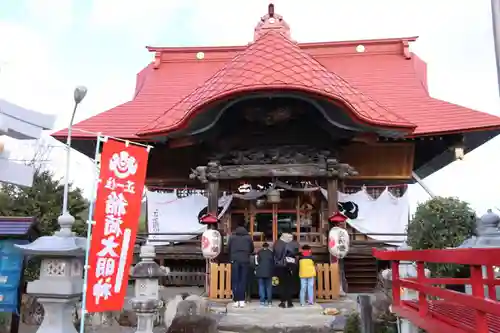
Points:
(28, 76)
(133, 19)
(52, 15)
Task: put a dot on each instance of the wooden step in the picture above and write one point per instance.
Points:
(361, 269)
(361, 273)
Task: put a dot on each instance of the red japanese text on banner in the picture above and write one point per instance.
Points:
(116, 216)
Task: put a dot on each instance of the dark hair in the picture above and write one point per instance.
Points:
(241, 223)
(265, 245)
(306, 247)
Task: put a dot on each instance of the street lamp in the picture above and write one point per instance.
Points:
(495, 13)
(66, 220)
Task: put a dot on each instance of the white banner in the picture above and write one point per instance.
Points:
(169, 214)
(385, 214)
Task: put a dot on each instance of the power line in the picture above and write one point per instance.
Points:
(25, 160)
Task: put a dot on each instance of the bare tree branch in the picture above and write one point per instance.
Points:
(41, 153)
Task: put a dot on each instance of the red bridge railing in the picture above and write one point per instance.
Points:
(438, 310)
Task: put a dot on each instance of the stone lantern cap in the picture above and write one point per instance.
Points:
(147, 267)
(62, 244)
(146, 270)
(488, 234)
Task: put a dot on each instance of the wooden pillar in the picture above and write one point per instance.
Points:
(212, 173)
(331, 189)
(336, 173)
(213, 197)
(212, 181)
(333, 201)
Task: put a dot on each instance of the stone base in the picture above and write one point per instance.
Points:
(58, 315)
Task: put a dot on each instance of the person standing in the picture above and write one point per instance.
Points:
(264, 271)
(285, 258)
(240, 248)
(307, 274)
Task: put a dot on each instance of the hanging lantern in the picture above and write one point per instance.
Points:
(209, 219)
(459, 152)
(273, 196)
(338, 242)
(211, 243)
(337, 218)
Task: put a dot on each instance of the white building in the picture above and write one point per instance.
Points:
(21, 124)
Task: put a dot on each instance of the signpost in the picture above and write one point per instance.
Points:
(13, 230)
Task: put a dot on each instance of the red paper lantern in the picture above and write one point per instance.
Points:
(337, 218)
(208, 219)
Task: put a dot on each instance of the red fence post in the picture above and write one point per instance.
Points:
(476, 274)
(423, 307)
(396, 286)
(490, 275)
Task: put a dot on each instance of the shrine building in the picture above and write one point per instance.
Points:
(292, 116)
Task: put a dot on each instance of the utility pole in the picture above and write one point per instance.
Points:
(495, 13)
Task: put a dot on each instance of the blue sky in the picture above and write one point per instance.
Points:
(47, 47)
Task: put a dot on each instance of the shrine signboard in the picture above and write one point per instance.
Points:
(116, 216)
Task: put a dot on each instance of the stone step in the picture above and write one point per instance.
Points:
(254, 318)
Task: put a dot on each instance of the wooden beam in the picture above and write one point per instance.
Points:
(173, 182)
(366, 138)
(271, 170)
(182, 142)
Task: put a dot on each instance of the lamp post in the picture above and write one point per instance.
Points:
(60, 284)
(495, 13)
(66, 220)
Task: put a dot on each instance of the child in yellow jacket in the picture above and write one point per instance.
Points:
(307, 274)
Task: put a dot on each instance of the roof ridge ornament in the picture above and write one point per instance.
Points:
(271, 21)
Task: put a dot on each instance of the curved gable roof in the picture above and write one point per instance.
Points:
(396, 82)
(274, 62)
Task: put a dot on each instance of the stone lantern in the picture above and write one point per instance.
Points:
(488, 236)
(146, 302)
(60, 285)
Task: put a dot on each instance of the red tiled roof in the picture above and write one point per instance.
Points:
(395, 83)
(274, 62)
(379, 87)
(161, 89)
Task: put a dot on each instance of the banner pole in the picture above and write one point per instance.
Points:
(89, 231)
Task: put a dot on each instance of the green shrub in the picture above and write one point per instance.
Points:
(352, 324)
(440, 223)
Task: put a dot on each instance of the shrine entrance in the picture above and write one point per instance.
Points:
(297, 213)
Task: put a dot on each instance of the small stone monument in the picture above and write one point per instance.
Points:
(60, 285)
(146, 302)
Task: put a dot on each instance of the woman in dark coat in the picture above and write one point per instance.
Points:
(286, 250)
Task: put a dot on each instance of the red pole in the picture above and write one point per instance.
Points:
(423, 307)
(476, 273)
(396, 288)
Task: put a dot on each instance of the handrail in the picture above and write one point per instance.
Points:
(489, 257)
(425, 315)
